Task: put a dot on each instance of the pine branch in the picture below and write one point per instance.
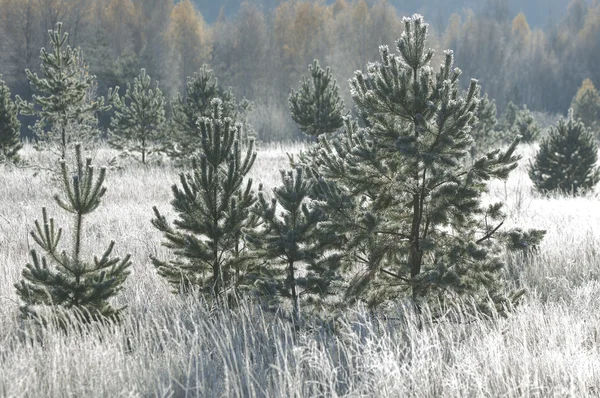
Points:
(490, 234)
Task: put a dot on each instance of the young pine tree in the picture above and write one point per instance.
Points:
(484, 132)
(65, 280)
(526, 126)
(86, 128)
(139, 118)
(61, 92)
(566, 160)
(213, 204)
(10, 127)
(509, 117)
(317, 107)
(400, 191)
(294, 244)
(586, 105)
(197, 102)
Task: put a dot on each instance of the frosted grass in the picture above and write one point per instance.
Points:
(171, 346)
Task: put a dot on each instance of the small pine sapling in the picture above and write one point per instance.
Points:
(293, 244)
(213, 204)
(200, 92)
(566, 160)
(245, 108)
(509, 117)
(317, 107)
(65, 281)
(62, 91)
(85, 129)
(526, 126)
(10, 127)
(484, 132)
(139, 118)
(318, 111)
(586, 106)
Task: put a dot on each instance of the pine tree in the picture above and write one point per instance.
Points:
(526, 126)
(294, 244)
(139, 118)
(400, 192)
(509, 116)
(566, 160)
(86, 128)
(484, 131)
(213, 204)
(62, 90)
(317, 107)
(65, 281)
(200, 91)
(10, 127)
(515, 121)
(586, 105)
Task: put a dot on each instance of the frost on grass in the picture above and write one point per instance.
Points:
(170, 346)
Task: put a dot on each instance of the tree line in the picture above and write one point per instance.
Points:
(261, 52)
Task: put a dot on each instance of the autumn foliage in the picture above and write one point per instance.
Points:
(261, 48)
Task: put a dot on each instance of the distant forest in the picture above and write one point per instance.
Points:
(536, 53)
(540, 13)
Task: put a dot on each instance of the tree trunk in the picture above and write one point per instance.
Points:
(416, 254)
(63, 141)
(295, 298)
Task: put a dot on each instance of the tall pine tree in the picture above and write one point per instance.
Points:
(567, 159)
(293, 243)
(400, 191)
(138, 122)
(213, 205)
(61, 92)
(65, 280)
(317, 107)
(10, 127)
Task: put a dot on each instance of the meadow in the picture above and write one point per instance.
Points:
(172, 346)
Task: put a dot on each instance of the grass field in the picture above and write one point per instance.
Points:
(170, 346)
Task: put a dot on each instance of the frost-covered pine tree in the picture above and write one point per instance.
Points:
(295, 248)
(61, 93)
(409, 207)
(10, 127)
(567, 159)
(317, 107)
(62, 280)
(586, 106)
(507, 121)
(526, 126)
(484, 132)
(197, 102)
(138, 121)
(213, 204)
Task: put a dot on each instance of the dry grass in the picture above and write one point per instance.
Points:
(171, 346)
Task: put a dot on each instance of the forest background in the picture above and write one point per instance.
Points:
(532, 52)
